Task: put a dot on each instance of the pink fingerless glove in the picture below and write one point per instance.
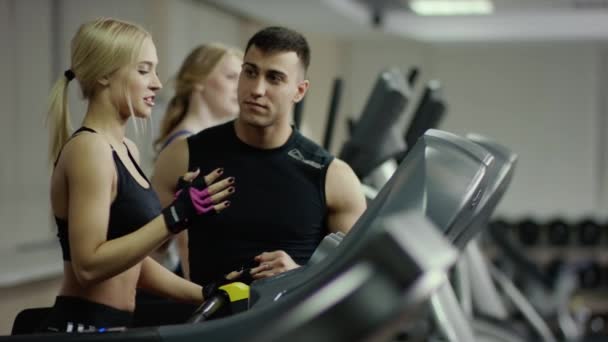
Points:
(189, 202)
(201, 200)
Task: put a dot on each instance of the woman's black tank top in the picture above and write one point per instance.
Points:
(133, 207)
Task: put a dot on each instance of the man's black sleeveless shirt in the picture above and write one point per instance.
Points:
(279, 201)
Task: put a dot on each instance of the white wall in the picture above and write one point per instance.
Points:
(191, 24)
(601, 128)
(25, 66)
(25, 81)
(542, 102)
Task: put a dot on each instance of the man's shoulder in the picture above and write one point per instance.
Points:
(306, 149)
(212, 133)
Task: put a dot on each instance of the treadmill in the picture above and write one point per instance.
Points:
(441, 181)
(443, 178)
(428, 114)
(376, 136)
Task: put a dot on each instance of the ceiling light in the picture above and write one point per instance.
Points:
(451, 7)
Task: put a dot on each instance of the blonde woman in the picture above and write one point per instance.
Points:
(108, 217)
(205, 96)
(205, 92)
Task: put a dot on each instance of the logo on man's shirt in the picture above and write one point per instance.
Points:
(296, 154)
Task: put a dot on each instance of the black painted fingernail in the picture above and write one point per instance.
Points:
(220, 170)
(231, 190)
(231, 180)
(227, 203)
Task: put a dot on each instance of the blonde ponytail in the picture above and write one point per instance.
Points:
(176, 111)
(60, 126)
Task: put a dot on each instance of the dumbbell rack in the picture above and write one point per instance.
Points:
(555, 246)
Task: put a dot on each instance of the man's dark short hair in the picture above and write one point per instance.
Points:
(281, 39)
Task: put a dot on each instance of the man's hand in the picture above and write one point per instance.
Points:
(272, 263)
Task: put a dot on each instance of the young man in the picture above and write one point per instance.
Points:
(291, 191)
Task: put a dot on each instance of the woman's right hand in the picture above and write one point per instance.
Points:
(197, 196)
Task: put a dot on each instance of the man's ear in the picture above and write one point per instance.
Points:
(302, 89)
(104, 81)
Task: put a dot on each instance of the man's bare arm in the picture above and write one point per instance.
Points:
(345, 200)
